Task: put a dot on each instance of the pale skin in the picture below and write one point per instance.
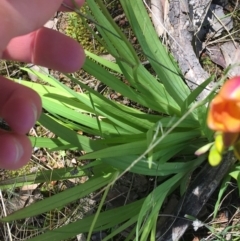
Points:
(23, 38)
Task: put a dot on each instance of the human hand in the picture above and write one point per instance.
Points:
(23, 38)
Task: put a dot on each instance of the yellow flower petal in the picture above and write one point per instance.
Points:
(214, 157)
(219, 144)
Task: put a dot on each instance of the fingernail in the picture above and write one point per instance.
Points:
(18, 150)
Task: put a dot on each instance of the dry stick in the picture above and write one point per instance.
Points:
(181, 24)
(222, 39)
(162, 25)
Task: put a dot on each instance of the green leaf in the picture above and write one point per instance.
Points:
(153, 203)
(104, 221)
(128, 118)
(60, 199)
(104, 62)
(110, 80)
(155, 51)
(195, 93)
(224, 185)
(82, 119)
(82, 142)
(202, 112)
(49, 142)
(43, 176)
(157, 169)
(134, 72)
(138, 147)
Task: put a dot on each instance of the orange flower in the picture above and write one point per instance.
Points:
(224, 110)
(224, 118)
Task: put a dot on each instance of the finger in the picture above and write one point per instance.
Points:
(22, 17)
(48, 48)
(15, 150)
(19, 106)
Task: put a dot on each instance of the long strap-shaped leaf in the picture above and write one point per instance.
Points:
(155, 51)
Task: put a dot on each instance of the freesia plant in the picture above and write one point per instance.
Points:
(161, 145)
